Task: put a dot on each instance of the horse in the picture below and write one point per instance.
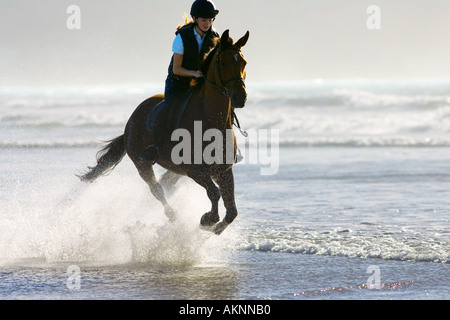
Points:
(211, 105)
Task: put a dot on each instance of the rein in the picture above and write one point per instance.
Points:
(223, 83)
(224, 89)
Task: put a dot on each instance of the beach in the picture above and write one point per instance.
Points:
(355, 206)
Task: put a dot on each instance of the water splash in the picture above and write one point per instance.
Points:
(115, 220)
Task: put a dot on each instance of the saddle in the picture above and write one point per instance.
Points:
(164, 118)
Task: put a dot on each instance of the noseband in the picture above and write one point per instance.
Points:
(223, 83)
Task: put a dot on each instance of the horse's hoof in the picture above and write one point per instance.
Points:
(209, 219)
(220, 227)
(205, 228)
(217, 228)
(171, 215)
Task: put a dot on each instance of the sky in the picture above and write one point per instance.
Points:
(130, 41)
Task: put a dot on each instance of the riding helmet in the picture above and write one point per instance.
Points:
(204, 9)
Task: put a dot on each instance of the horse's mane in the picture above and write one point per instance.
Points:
(209, 56)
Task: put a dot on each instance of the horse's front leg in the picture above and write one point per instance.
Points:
(209, 219)
(226, 184)
(169, 180)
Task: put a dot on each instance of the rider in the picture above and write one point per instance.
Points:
(192, 41)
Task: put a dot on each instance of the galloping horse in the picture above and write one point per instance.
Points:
(212, 103)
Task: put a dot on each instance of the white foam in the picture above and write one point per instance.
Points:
(350, 244)
(340, 113)
(115, 220)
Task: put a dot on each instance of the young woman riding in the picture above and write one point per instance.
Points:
(192, 41)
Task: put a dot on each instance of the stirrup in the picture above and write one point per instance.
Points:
(239, 156)
(150, 154)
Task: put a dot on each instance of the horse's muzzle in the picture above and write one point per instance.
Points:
(239, 97)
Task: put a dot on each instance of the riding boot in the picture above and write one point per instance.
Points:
(155, 124)
(150, 154)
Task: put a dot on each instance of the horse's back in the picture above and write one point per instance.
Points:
(136, 133)
(146, 106)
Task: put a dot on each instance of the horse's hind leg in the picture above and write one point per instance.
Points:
(147, 173)
(226, 184)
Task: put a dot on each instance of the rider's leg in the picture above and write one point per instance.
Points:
(156, 123)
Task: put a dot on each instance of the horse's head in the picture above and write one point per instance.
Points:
(230, 69)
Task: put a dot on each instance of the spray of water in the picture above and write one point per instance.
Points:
(114, 220)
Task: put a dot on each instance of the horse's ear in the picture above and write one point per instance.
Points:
(225, 36)
(242, 41)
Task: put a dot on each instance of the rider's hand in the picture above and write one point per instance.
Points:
(197, 74)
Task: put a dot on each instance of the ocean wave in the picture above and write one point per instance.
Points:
(64, 117)
(345, 244)
(366, 142)
(383, 286)
(367, 99)
(354, 94)
(50, 145)
(288, 143)
(307, 114)
(352, 99)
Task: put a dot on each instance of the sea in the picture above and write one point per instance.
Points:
(343, 194)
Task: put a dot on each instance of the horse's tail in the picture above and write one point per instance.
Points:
(107, 159)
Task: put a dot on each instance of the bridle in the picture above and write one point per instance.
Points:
(222, 87)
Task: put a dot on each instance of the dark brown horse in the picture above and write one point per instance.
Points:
(211, 106)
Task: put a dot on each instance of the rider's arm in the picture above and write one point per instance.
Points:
(183, 72)
(178, 52)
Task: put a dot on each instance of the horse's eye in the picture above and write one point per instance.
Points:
(222, 64)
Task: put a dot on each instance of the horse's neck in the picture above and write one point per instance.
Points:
(216, 107)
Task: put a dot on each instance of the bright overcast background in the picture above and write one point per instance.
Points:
(130, 41)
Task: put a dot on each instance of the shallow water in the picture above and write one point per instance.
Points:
(342, 202)
(316, 241)
(248, 275)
